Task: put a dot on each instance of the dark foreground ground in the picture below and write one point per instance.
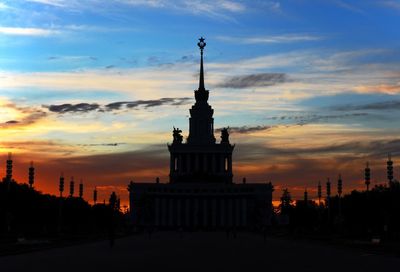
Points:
(169, 251)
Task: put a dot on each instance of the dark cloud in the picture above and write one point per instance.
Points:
(283, 166)
(153, 60)
(314, 118)
(86, 107)
(115, 105)
(386, 105)
(254, 80)
(186, 58)
(129, 60)
(149, 162)
(374, 149)
(114, 170)
(103, 144)
(245, 129)
(81, 107)
(299, 120)
(71, 57)
(147, 103)
(110, 66)
(12, 122)
(30, 115)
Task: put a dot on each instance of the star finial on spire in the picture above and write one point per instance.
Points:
(201, 43)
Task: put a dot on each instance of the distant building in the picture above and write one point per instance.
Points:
(200, 192)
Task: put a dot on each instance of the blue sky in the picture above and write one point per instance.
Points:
(299, 82)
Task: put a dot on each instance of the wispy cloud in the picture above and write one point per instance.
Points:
(286, 38)
(87, 107)
(81, 107)
(56, 3)
(382, 106)
(72, 58)
(345, 5)
(390, 4)
(254, 80)
(373, 148)
(303, 119)
(381, 88)
(26, 31)
(59, 29)
(220, 9)
(246, 129)
(22, 116)
(3, 6)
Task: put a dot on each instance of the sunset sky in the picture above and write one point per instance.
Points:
(93, 88)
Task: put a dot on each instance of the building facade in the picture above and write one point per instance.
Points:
(200, 192)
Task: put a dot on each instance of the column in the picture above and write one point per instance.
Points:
(223, 213)
(201, 162)
(163, 212)
(222, 163)
(196, 161)
(205, 213)
(244, 212)
(196, 211)
(170, 212)
(230, 163)
(187, 212)
(213, 163)
(179, 222)
(214, 213)
(157, 211)
(237, 211)
(187, 162)
(171, 163)
(179, 163)
(230, 212)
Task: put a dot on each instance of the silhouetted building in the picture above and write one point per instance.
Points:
(200, 192)
(31, 175)
(95, 196)
(80, 189)
(389, 164)
(319, 192)
(367, 176)
(71, 187)
(61, 185)
(9, 169)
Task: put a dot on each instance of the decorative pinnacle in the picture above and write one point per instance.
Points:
(201, 44)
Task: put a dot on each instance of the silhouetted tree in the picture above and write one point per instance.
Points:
(286, 202)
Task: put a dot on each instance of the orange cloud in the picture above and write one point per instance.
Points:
(382, 88)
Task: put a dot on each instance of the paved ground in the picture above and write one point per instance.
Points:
(167, 251)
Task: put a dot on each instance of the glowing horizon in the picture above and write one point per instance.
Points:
(93, 89)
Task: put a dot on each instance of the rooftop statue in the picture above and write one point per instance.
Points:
(225, 135)
(178, 138)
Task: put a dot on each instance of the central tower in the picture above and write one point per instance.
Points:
(201, 121)
(201, 159)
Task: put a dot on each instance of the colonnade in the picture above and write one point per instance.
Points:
(200, 212)
(201, 162)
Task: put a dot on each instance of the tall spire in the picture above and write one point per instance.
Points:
(9, 168)
(201, 45)
(201, 94)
